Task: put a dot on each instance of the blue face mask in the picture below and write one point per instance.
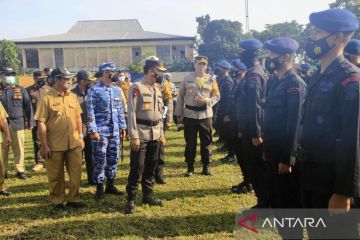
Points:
(10, 80)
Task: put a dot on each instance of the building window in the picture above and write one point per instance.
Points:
(20, 57)
(136, 54)
(59, 57)
(32, 57)
(178, 53)
(163, 52)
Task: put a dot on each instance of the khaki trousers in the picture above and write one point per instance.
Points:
(18, 142)
(72, 159)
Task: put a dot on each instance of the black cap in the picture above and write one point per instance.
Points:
(84, 75)
(7, 71)
(61, 73)
(39, 74)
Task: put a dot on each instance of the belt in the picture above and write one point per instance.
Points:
(196, 108)
(148, 122)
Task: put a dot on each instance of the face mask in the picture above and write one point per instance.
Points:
(217, 71)
(234, 74)
(10, 80)
(40, 83)
(271, 65)
(315, 49)
(122, 79)
(159, 78)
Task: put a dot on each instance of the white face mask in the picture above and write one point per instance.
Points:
(10, 80)
(122, 79)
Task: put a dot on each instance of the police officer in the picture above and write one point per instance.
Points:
(168, 91)
(60, 131)
(106, 124)
(234, 143)
(16, 102)
(352, 52)
(281, 122)
(250, 119)
(197, 95)
(305, 72)
(330, 163)
(225, 82)
(5, 133)
(84, 82)
(36, 91)
(145, 128)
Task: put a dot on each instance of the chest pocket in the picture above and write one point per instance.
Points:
(17, 98)
(277, 100)
(116, 103)
(56, 110)
(324, 98)
(147, 102)
(190, 88)
(206, 89)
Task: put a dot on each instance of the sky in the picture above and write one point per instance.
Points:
(30, 18)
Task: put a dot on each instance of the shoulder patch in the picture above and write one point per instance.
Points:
(350, 79)
(293, 90)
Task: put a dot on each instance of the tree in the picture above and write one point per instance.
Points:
(9, 55)
(219, 39)
(351, 5)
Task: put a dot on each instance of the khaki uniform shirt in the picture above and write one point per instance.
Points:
(3, 116)
(145, 103)
(190, 87)
(59, 113)
(125, 86)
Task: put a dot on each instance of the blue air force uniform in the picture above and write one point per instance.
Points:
(106, 117)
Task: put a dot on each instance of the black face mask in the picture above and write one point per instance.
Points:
(271, 65)
(315, 49)
(234, 74)
(158, 78)
(40, 83)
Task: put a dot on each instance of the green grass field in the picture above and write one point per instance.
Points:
(194, 208)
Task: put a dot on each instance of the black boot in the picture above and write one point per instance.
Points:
(130, 207)
(190, 170)
(151, 201)
(99, 191)
(111, 189)
(227, 159)
(206, 171)
(160, 179)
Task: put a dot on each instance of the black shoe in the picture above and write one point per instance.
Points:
(5, 193)
(206, 171)
(222, 149)
(59, 207)
(242, 188)
(99, 194)
(227, 159)
(130, 207)
(75, 204)
(160, 180)
(21, 175)
(111, 189)
(152, 201)
(190, 170)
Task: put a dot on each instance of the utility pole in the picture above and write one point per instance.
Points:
(247, 28)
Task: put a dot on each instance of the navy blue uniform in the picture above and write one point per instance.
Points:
(250, 122)
(330, 161)
(281, 125)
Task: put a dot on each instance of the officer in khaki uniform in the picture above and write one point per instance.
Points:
(36, 91)
(60, 130)
(5, 128)
(198, 93)
(145, 128)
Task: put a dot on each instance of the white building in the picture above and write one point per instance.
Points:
(90, 43)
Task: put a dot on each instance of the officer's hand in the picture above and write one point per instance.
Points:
(284, 169)
(135, 144)
(44, 151)
(180, 120)
(162, 140)
(95, 136)
(226, 119)
(8, 141)
(257, 141)
(200, 99)
(338, 204)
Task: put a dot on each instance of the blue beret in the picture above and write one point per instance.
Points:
(335, 20)
(282, 45)
(239, 64)
(305, 66)
(250, 44)
(353, 47)
(224, 64)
